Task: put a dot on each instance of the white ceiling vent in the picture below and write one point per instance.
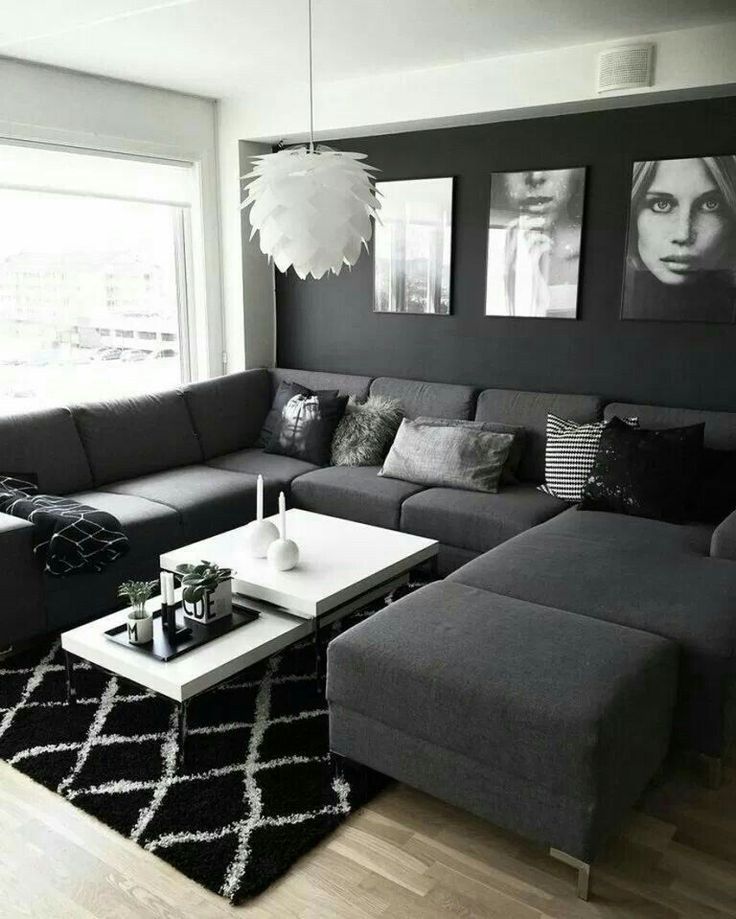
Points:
(625, 67)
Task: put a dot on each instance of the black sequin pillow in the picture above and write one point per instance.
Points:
(645, 473)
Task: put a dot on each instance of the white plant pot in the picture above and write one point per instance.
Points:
(212, 606)
(140, 631)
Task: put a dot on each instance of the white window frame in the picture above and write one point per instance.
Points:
(206, 322)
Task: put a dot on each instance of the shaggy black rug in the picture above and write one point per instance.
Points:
(257, 789)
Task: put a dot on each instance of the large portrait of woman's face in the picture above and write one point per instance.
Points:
(534, 230)
(681, 251)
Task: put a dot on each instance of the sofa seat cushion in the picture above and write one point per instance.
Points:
(681, 595)
(277, 471)
(151, 527)
(639, 534)
(568, 703)
(476, 521)
(353, 492)
(208, 500)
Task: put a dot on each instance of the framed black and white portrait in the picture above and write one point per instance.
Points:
(413, 247)
(681, 248)
(534, 233)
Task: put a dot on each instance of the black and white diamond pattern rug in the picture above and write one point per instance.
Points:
(257, 789)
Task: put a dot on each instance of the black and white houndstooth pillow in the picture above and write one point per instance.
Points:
(570, 454)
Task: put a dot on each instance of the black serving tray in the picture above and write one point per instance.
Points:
(189, 635)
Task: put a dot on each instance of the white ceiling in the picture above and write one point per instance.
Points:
(227, 48)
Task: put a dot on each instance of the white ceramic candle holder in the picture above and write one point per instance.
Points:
(283, 554)
(259, 534)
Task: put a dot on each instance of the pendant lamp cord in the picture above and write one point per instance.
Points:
(311, 85)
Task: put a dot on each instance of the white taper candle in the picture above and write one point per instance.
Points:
(282, 514)
(259, 498)
(167, 588)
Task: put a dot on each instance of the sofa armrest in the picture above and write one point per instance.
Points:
(723, 541)
(23, 614)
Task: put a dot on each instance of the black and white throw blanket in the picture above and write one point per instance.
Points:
(69, 537)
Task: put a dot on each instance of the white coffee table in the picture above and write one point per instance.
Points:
(343, 567)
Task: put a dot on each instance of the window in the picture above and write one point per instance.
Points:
(94, 277)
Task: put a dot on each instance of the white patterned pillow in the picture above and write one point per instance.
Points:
(570, 454)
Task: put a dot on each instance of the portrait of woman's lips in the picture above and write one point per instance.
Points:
(681, 264)
(537, 204)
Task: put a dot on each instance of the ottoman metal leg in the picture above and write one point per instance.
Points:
(583, 870)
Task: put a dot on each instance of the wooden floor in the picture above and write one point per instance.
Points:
(407, 856)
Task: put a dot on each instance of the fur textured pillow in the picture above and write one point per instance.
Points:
(366, 432)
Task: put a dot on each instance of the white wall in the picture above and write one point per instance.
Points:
(701, 60)
(48, 105)
(248, 280)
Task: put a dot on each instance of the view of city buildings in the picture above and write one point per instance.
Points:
(90, 322)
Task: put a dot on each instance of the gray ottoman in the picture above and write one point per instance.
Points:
(544, 722)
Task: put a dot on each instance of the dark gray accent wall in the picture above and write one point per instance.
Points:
(329, 324)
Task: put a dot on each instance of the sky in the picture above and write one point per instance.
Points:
(33, 221)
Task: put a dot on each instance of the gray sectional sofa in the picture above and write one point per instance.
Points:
(179, 466)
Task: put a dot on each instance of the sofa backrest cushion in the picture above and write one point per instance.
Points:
(347, 384)
(433, 400)
(720, 427)
(127, 438)
(530, 410)
(227, 412)
(45, 443)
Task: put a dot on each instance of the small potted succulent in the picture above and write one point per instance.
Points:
(206, 591)
(140, 622)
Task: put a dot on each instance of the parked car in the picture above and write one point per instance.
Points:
(164, 352)
(108, 354)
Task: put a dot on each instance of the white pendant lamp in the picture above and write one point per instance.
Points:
(312, 207)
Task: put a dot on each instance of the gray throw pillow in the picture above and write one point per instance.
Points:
(427, 452)
(366, 432)
(511, 466)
